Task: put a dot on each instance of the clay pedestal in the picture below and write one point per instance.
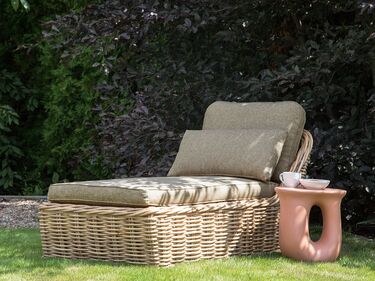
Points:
(295, 206)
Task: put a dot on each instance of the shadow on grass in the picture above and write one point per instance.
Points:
(356, 251)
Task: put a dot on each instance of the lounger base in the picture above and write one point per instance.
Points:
(160, 235)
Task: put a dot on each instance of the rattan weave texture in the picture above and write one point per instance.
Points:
(165, 235)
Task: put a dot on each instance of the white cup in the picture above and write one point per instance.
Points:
(290, 179)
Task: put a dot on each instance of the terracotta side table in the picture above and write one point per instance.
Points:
(295, 206)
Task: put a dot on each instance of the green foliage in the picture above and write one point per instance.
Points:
(8, 152)
(13, 96)
(67, 129)
(16, 3)
(22, 92)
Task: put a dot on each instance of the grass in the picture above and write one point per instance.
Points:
(20, 259)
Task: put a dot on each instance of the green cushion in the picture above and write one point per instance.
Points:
(238, 153)
(159, 191)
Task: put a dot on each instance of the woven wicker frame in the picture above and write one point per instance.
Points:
(165, 235)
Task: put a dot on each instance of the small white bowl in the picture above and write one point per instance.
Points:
(314, 183)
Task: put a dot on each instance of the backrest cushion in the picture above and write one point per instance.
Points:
(239, 153)
(286, 115)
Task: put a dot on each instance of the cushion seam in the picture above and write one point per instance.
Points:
(153, 188)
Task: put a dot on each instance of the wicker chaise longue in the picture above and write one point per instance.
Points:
(218, 199)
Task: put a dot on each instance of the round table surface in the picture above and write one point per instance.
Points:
(311, 191)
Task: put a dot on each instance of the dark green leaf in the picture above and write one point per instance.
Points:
(15, 4)
(25, 4)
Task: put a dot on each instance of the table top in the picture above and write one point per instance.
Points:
(311, 191)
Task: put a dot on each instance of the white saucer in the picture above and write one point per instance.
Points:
(316, 184)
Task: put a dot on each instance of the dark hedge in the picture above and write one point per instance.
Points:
(22, 93)
(166, 61)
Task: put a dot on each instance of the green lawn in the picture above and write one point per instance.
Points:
(20, 259)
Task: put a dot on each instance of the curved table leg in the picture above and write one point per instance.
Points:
(295, 241)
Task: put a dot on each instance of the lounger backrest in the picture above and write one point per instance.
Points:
(286, 115)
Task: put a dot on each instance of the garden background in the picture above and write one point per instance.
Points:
(103, 89)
